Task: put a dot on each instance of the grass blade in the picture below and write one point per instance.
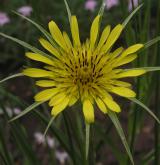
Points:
(119, 129)
(131, 15)
(28, 109)
(26, 45)
(145, 108)
(48, 126)
(68, 10)
(10, 77)
(46, 34)
(151, 42)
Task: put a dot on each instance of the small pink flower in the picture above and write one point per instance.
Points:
(39, 138)
(50, 142)
(61, 156)
(130, 7)
(17, 111)
(111, 3)
(90, 5)
(4, 19)
(25, 10)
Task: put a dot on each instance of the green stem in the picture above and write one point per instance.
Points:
(87, 139)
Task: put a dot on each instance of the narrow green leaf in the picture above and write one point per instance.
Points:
(46, 34)
(131, 15)
(101, 10)
(87, 139)
(119, 129)
(28, 109)
(148, 69)
(151, 42)
(145, 108)
(48, 126)
(10, 77)
(26, 45)
(68, 10)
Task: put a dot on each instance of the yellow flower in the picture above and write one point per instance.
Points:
(89, 72)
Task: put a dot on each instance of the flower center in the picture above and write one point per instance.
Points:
(83, 67)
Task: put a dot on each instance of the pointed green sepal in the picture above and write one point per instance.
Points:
(131, 15)
(148, 69)
(28, 109)
(119, 129)
(48, 126)
(10, 77)
(145, 108)
(68, 10)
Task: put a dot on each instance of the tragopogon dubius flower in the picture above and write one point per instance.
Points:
(89, 72)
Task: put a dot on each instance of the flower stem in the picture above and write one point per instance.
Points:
(87, 139)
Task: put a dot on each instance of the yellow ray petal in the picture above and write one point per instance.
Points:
(104, 36)
(102, 92)
(101, 105)
(39, 57)
(94, 31)
(73, 100)
(49, 47)
(67, 40)
(115, 33)
(131, 73)
(57, 99)
(56, 34)
(88, 111)
(34, 72)
(112, 105)
(75, 31)
(132, 49)
(121, 83)
(116, 53)
(122, 91)
(45, 83)
(124, 60)
(60, 107)
(46, 94)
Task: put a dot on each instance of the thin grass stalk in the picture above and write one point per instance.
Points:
(129, 37)
(140, 83)
(71, 143)
(77, 132)
(157, 95)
